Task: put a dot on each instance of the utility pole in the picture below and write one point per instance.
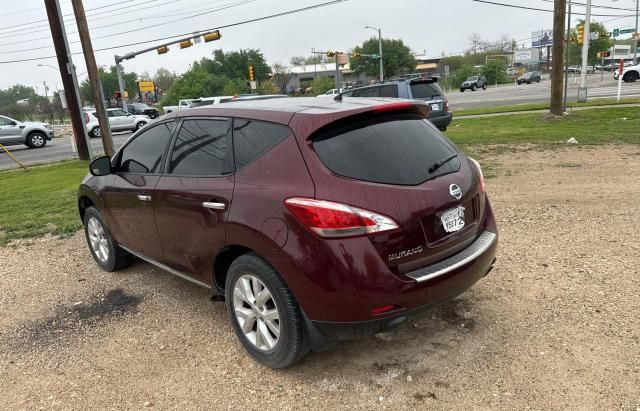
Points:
(379, 30)
(94, 77)
(635, 36)
(337, 73)
(582, 91)
(566, 60)
(69, 79)
(559, 11)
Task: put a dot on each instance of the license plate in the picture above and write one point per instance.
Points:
(453, 220)
(435, 107)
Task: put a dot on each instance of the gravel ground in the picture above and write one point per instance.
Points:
(555, 325)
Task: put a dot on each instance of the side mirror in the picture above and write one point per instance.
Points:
(101, 166)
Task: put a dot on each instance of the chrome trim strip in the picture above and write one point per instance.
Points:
(166, 268)
(482, 244)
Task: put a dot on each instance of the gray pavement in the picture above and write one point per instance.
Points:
(537, 93)
(56, 150)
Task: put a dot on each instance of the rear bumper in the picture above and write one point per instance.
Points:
(442, 119)
(444, 281)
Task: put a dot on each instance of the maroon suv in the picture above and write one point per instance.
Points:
(317, 220)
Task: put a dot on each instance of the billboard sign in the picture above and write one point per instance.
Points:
(542, 38)
(522, 56)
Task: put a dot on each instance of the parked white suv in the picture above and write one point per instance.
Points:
(119, 120)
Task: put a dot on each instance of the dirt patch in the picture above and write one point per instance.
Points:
(554, 325)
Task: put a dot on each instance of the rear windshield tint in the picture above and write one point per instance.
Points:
(426, 90)
(397, 149)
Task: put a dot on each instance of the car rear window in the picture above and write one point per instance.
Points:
(426, 90)
(395, 149)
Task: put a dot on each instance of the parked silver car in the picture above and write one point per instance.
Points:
(32, 134)
(119, 120)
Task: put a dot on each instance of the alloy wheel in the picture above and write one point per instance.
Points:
(37, 140)
(256, 312)
(98, 239)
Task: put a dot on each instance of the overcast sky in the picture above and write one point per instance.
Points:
(424, 25)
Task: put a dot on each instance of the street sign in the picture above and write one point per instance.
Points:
(254, 85)
(146, 86)
(617, 32)
(595, 35)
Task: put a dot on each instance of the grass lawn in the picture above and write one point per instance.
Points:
(606, 125)
(540, 106)
(40, 201)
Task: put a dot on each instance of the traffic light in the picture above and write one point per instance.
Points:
(580, 34)
(603, 54)
(162, 50)
(252, 76)
(355, 55)
(117, 95)
(213, 36)
(185, 44)
(330, 53)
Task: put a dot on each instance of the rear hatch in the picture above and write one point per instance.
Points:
(428, 90)
(387, 163)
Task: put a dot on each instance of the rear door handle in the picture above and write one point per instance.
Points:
(142, 197)
(214, 206)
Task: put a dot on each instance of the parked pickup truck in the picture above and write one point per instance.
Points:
(196, 102)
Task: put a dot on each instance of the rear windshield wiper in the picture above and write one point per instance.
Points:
(442, 162)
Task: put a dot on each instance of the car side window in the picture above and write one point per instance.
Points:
(110, 113)
(366, 92)
(252, 138)
(4, 121)
(144, 153)
(200, 149)
(388, 91)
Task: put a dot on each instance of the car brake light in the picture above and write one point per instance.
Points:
(446, 105)
(329, 219)
(382, 310)
(475, 163)
(86, 118)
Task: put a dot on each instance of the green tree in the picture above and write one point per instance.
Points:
(495, 71)
(195, 83)
(397, 58)
(164, 79)
(322, 84)
(235, 64)
(14, 93)
(602, 44)
(109, 81)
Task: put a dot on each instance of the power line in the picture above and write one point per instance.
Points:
(66, 15)
(197, 14)
(257, 19)
(595, 6)
(45, 27)
(26, 10)
(515, 6)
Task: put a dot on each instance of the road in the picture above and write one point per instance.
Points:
(537, 93)
(56, 150)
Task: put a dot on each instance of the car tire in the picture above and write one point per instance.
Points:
(443, 128)
(140, 124)
(95, 132)
(461, 90)
(283, 339)
(107, 254)
(473, 88)
(538, 81)
(484, 86)
(36, 139)
(630, 77)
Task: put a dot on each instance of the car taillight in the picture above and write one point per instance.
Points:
(477, 165)
(446, 105)
(330, 219)
(86, 118)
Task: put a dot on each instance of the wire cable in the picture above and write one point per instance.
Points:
(257, 19)
(515, 6)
